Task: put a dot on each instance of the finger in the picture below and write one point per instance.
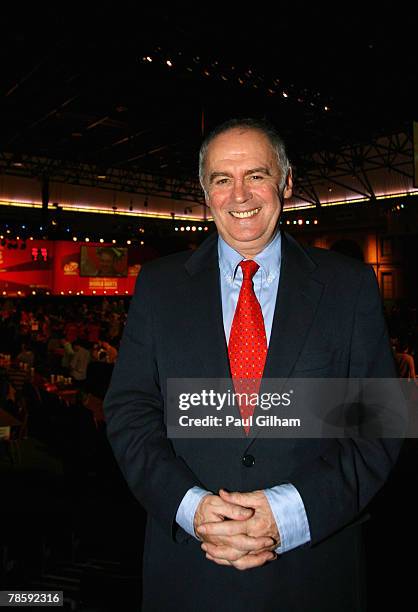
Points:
(248, 562)
(267, 548)
(222, 528)
(242, 499)
(243, 542)
(218, 561)
(227, 553)
(229, 510)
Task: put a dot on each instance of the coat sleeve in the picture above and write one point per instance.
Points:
(339, 484)
(134, 413)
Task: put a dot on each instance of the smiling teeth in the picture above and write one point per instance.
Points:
(245, 214)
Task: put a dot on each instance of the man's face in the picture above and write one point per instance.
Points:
(241, 179)
(106, 263)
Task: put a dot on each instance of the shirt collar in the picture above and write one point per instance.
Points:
(268, 259)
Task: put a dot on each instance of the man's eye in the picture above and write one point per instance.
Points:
(221, 181)
(257, 176)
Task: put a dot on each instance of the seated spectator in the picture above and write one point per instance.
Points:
(405, 361)
(68, 354)
(111, 352)
(26, 355)
(79, 361)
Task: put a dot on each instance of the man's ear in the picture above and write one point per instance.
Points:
(288, 187)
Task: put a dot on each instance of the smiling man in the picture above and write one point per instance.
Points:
(248, 523)
(245, 178)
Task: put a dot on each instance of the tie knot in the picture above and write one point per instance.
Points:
(249, 268)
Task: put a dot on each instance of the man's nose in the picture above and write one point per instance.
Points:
(242, 192)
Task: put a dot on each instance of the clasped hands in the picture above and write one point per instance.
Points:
(237, 529)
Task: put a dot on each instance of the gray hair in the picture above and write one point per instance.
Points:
(262, 126)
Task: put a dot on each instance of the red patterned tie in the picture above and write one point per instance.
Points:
(247, 347)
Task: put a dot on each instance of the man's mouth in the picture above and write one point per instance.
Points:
(244, 214)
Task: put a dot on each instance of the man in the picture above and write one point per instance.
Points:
(252, 523)
(79, 361)
(107, 258)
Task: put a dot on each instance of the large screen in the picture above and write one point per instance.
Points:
(103, 261)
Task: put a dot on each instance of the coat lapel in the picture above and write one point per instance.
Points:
(206, 316)
(297, 300)
(298, 297)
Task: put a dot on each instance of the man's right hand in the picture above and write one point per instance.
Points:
(236, 544)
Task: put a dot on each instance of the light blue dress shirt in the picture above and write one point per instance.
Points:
(285, 502)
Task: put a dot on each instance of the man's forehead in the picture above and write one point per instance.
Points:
(239, 134)
(238, 142)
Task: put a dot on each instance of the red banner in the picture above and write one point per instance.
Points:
(44, 266)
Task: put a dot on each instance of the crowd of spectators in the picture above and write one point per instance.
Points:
(69, 338)
(62, 337)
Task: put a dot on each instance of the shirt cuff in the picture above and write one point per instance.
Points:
(290, 515)
(187, 509)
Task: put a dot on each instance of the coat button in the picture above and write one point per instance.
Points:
(248, 460)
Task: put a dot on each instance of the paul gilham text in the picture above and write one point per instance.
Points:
(261, 420)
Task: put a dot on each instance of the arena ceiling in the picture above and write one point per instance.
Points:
(120, 98)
